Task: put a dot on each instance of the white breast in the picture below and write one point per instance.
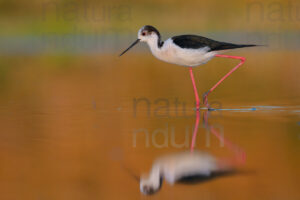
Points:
(172, 53)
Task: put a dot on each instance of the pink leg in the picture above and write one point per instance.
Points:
(242, 59)
(195, 89)
(195, 131)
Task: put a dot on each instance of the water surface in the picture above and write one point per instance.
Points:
(69, 125)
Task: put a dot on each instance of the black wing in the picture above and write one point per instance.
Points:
(196, 42)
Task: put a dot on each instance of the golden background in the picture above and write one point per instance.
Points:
(66, 99)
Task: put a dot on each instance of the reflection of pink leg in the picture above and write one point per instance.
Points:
(240, 155)
(195, 131)
(205, 95)
(195, 89)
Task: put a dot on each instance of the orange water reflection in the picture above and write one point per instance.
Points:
(68, 125)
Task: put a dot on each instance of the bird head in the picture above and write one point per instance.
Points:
(145, 34)
(148, 186)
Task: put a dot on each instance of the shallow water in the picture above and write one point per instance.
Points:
(71, 126)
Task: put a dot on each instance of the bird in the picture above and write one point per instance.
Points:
(189, 51)
(183, 167)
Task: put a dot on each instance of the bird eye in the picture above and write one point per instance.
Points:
(143, 33)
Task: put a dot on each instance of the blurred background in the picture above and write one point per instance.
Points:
(72, 112)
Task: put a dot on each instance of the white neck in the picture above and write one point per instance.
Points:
(153, 43)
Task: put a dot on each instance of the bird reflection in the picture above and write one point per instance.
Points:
(192, 166)
(182, 167)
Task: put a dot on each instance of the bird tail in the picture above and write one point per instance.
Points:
(226, 46)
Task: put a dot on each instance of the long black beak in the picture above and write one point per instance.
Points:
(137, 41)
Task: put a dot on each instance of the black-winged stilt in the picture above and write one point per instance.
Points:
(189, 51)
